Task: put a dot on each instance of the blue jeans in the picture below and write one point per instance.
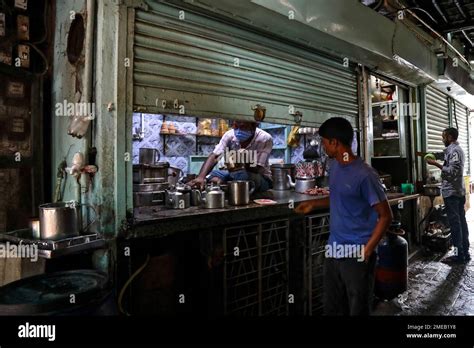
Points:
(457, 221)
(261, 182)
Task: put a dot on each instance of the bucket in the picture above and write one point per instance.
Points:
(408, 189)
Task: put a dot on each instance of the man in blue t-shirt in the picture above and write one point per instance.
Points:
(360, 215)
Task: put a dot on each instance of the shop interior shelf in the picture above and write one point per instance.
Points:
(191, 134)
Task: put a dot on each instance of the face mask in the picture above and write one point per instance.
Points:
(242, 135)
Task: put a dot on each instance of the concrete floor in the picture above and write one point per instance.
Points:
(435, 288)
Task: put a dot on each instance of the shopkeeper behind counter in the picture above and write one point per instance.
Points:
(245, 150)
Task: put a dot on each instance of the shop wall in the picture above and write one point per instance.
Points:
(106, 132)
(67, 84)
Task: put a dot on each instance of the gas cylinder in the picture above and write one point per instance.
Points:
(391, 271)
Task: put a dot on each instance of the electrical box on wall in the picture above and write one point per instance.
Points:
(22, 37)
(3, 24)
(6, 55)
(21, 4)
(22, 34)
(15, 117)
(20, 148)
(23, 27)
(23, 60)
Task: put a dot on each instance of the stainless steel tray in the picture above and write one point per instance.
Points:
(54, 248)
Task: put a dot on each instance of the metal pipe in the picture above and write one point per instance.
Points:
(467, 38)
(89, 52)
(88, 77)
(461, 11)
(441, 37)
(365, 124)
(436, 6)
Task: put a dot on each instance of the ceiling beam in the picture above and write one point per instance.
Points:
(441, 13)
(458, 27)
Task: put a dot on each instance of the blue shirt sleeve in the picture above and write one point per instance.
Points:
(453, 166)
(372, 189)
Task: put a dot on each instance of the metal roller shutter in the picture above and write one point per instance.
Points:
(460, 121)
(216, 69)
(437, 118)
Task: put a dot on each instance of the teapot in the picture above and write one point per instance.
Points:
(213, 198)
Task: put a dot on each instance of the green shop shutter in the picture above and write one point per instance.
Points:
(460, 121)
(216, 69)
(437, 118)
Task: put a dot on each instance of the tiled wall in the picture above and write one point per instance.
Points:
(177, 149)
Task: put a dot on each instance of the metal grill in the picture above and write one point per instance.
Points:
(256, 269)
(317, 227)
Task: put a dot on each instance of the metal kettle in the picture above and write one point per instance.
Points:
(180, 198)
(301, 185)
(212, 198)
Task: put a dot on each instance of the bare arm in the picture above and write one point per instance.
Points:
(384, 213)
(308, 206)
(206, 168)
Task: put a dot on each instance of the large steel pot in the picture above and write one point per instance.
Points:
(151, 198)
(61, 220)
(149, 171)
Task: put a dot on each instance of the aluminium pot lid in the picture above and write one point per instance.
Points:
(52, 292)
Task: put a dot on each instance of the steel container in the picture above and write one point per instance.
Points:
(240, 192)
(59, 220)
(149, 156)
(141, 172)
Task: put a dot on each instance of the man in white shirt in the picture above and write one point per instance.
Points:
(246, 150)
